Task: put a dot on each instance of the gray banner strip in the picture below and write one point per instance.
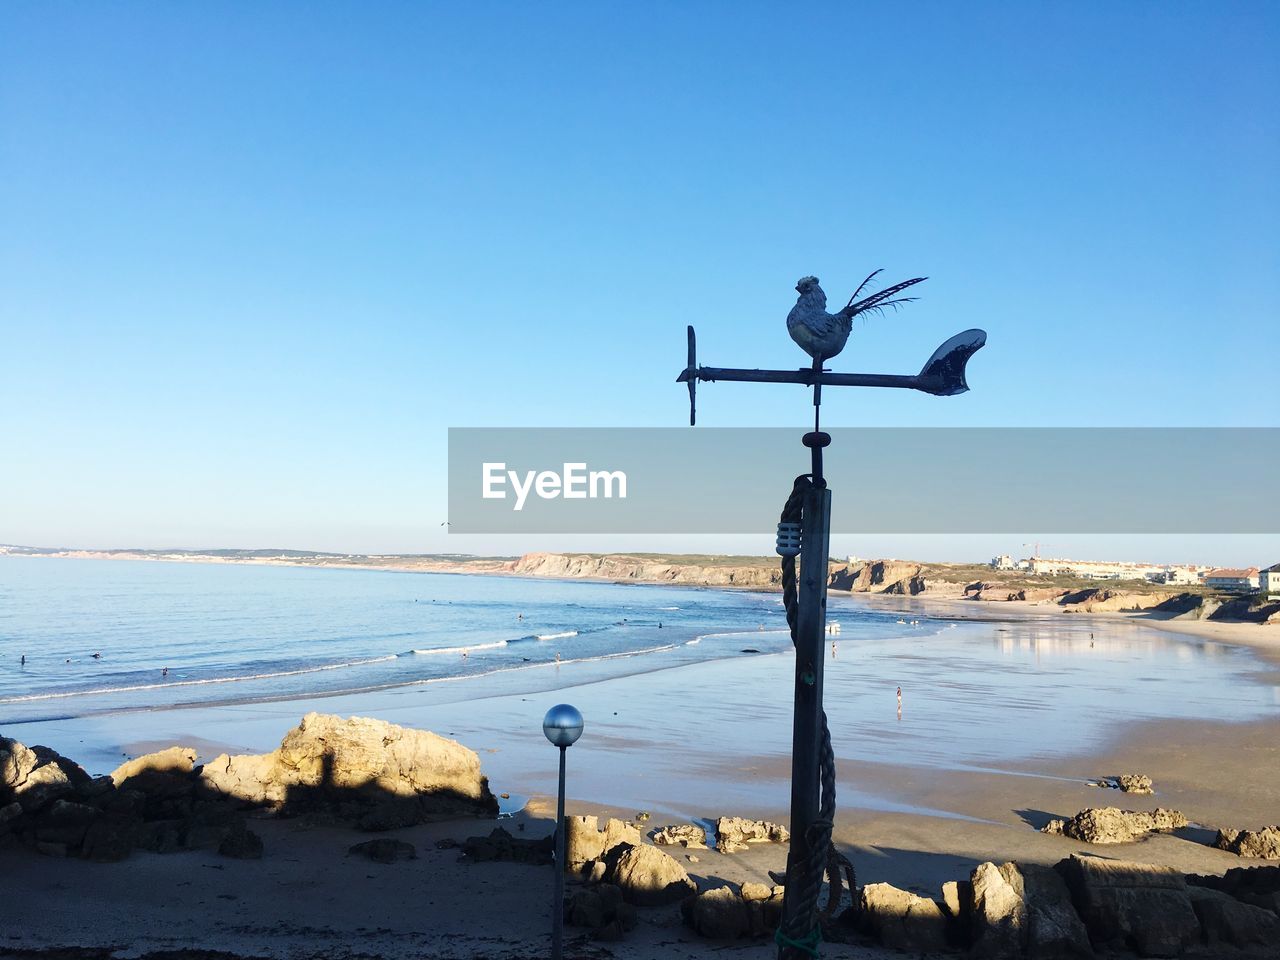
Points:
(883, 480)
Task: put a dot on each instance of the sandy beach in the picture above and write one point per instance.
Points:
(696, 741)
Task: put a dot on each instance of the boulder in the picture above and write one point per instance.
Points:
(902, 920)
(501, 845)
(998, 911)
(720, 914)
(1054, 929)
(109, 839)
(1131, 905)
(65, 822)
(602, 909)
(36, 776)
(684, 834)
(174, 760)
(1134, 783)
(957, 903)
(586, 841)
(757, 891)
(1259, 886)
(1225, 920)
(1113, 825)
(647, 876)
(1261, 844)
(370, 773)
(385, 850)
(734, 833)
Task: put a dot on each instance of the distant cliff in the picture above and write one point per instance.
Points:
(756, 573)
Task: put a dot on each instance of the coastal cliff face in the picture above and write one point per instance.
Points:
(639, 569)
(764, 573)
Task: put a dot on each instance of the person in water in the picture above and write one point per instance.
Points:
(164, 672)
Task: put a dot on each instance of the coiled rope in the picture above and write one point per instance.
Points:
(799, 937)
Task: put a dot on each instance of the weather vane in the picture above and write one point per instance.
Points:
(805, 531)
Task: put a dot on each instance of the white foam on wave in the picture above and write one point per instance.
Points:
(99, 691)
(556, 636)
(474, 646)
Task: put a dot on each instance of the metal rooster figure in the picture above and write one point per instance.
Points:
(822, 335)
(804, 532)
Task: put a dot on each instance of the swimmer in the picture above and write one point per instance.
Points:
(164, 672)
(97, 656)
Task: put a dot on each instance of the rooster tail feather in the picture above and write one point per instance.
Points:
(884, 297)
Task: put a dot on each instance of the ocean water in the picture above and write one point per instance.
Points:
(170, 634)
(251, 648)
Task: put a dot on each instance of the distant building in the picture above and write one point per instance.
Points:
(1175, 576)
(1233, 580)
(1269, 582)
(1003, 562)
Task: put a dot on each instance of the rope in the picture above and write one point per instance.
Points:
(809, 944)
(802, 934)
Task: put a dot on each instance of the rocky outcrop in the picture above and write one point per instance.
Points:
(734, 833)
(647, 876)
(1261, 844)
(1131, 905)
(1099, 600)
(1138, 783)
(1113, 825)
(149, 803)
(879, 576)
(587, 841)
(684, 834)
(900, 919)
(369, 773)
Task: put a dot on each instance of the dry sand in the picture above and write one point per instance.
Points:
(308, 898)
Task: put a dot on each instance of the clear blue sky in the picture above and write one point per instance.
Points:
(256, 258)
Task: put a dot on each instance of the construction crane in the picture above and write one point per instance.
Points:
(1037, 545)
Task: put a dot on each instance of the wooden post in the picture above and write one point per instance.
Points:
(807, 723)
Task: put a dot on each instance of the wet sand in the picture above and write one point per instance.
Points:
(697, 741)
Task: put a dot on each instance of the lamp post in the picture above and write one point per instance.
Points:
(805, 533)
(562, 726)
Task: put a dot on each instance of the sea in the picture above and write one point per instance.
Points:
(106, 640)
